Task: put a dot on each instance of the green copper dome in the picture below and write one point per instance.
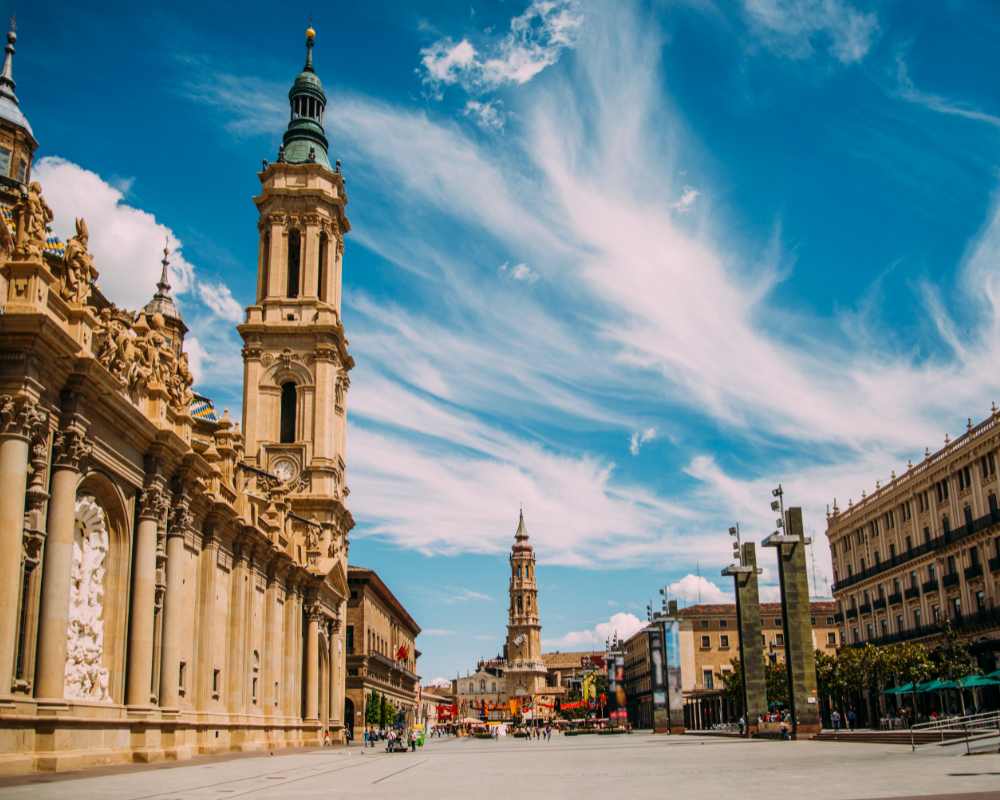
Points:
(305, 140)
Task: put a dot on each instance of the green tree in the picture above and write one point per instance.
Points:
(951, 659)
(911, 664)
(387, 715)
(732, 685)
(373, 709)
(776, 678)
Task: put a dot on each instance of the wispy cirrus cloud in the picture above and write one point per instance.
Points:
(795, 28)
(469, 396)
(906, 90)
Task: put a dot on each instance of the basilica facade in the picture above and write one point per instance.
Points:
(171, 582)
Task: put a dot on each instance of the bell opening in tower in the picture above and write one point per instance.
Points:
(294, 251)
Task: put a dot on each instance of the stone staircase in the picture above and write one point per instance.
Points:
(889, 737)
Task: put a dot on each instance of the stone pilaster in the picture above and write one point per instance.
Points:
(152, 507)
(68, 453)
(20, 421)
(312, 665)
(173, 606)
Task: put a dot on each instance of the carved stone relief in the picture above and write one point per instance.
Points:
(86, 675)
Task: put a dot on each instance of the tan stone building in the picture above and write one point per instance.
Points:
(710, 639)
(639, 680)
(566, 670)
(382, 653)
(171, 583)
(435, 706)
(925, 549)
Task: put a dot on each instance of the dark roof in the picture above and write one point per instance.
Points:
(360, 575)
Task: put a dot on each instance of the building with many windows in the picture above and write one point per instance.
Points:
(171, 583)
(923, 550)
(381, 641)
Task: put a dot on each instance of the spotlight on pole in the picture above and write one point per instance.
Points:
(775, 505)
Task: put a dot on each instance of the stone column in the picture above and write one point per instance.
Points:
(237, 658)
(69, 450)
(267, 671)
(292, 613)
(312, 666)
(173, 604)
(152, 506)
(800, 659)
(205, 659)
(20, 419)
(751, 645)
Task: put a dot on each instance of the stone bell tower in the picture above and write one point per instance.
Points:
(295, 351)
(525, 672)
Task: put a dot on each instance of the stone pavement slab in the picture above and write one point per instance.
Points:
(581, 768)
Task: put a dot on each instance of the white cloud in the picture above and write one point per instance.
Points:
(126, 242)
(697, 589)
(462, 595)
(795, 28)
(686, 200)
(127, 245)
(639, 438)
(622, 623)
(675, 314)
(437, 632)
(445, 60)
(906, 90)
(220, 300)
(534, 42)
(519, 272)
(488, 115)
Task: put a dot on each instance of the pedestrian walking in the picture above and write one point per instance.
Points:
(835, 719)
(852, 719)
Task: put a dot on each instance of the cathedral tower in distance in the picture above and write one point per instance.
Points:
(525, 671)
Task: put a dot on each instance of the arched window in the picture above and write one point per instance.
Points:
(321, 268)
(482, 684)
(288, 409)
(520, 605)
(294, 251)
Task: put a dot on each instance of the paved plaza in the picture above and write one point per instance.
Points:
(637, 766)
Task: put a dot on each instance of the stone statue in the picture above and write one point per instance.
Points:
(33, 221)
(79, 264)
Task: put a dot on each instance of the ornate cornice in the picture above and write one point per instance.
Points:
(20, 416)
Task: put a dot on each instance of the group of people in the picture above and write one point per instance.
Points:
(393, 738)
(540, 733)
(837, 720)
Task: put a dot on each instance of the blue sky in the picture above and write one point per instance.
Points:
(629, 264)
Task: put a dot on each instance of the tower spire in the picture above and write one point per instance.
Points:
(7, 73)
(310, 40)
(163, 287)
(10, 108)
(522, 531)
(305, 140)
(163, 302)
